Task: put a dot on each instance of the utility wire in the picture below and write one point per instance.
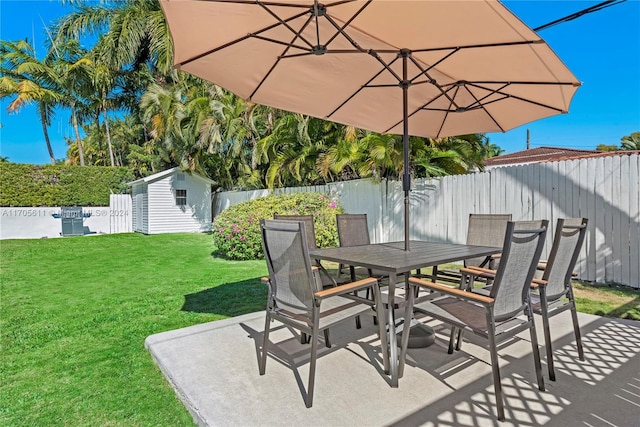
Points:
(583, 12)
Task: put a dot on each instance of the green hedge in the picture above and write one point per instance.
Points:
(60, 185)
(236, 231)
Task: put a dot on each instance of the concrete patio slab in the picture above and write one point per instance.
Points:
(214, 369)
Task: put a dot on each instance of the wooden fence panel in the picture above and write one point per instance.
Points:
(604, 189)
(634, 221)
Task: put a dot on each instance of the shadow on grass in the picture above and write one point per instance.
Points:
(630, 310)
(229, 299)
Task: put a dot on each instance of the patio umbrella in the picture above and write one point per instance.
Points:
(419, 67)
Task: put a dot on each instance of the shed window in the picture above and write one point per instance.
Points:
(181, 197)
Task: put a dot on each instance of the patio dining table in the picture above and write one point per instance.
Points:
(392, 259)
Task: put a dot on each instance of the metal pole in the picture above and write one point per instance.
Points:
(406, 177)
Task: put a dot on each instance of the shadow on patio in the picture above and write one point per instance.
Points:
(214, 369)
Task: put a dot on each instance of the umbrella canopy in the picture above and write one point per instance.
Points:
(417, 67)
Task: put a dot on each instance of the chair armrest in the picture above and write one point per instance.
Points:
(346, 288)
(451, 291)
(265, 280)
(538, 282)
(478, 270)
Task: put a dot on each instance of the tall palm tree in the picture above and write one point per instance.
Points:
(29, 80)
(163, 109)
(631, 142)
(73, 69)
(290, 151)
(134, 32)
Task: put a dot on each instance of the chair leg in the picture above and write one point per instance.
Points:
(547, 334)
(327, 341)
(535, 349)
(495, 367)
(265, 340)
(576, 329)
(312, 367)
(576, 325)
(459, 341)
(548, 346)
(452, 339)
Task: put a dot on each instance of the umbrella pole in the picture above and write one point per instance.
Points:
(406, 177)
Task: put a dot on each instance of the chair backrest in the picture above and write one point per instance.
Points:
(567, 242)
(308, 224)
(523, 242)
(486, 230)
(353, 229)
(290, 274)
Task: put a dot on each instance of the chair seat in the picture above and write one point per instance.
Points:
(553, 307)
(467, 316)
(336, 309)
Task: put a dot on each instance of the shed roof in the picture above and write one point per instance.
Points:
(541, 154)
(160, 175)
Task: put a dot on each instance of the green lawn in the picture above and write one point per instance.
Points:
(74, 314)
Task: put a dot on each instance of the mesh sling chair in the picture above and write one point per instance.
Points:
(327, 278)
(482, 230)
(555, 293)
(504, 312)
(323, 275)
(353, 230)
(296, 299)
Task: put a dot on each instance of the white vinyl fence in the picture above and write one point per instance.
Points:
(606, 190)
(34, 223)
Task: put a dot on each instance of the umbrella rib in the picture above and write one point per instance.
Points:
(268, 3)
(424, 71)
(519, 98)
(274, 41)
(340, 30)
(433, 81)
(277, 61)
(410, 115)
(479, 46)
(491, 92)
(386, 67)
(243, 38)
(525, 82)
(483, 105)
(426, 104)
(286, 24)
(446, 114)
(310, 52)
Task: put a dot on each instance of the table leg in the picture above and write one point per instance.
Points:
(391, 322)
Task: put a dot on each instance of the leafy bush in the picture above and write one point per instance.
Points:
(60, 185)
(236, 231)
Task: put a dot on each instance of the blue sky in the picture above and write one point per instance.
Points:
(602, 49)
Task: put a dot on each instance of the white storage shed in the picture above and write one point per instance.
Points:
(171, 202)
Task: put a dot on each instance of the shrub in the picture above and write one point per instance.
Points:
(60, 185)
(236, 231)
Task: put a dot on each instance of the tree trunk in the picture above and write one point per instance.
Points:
(74, 117)
(106, 124)
(43, 120)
